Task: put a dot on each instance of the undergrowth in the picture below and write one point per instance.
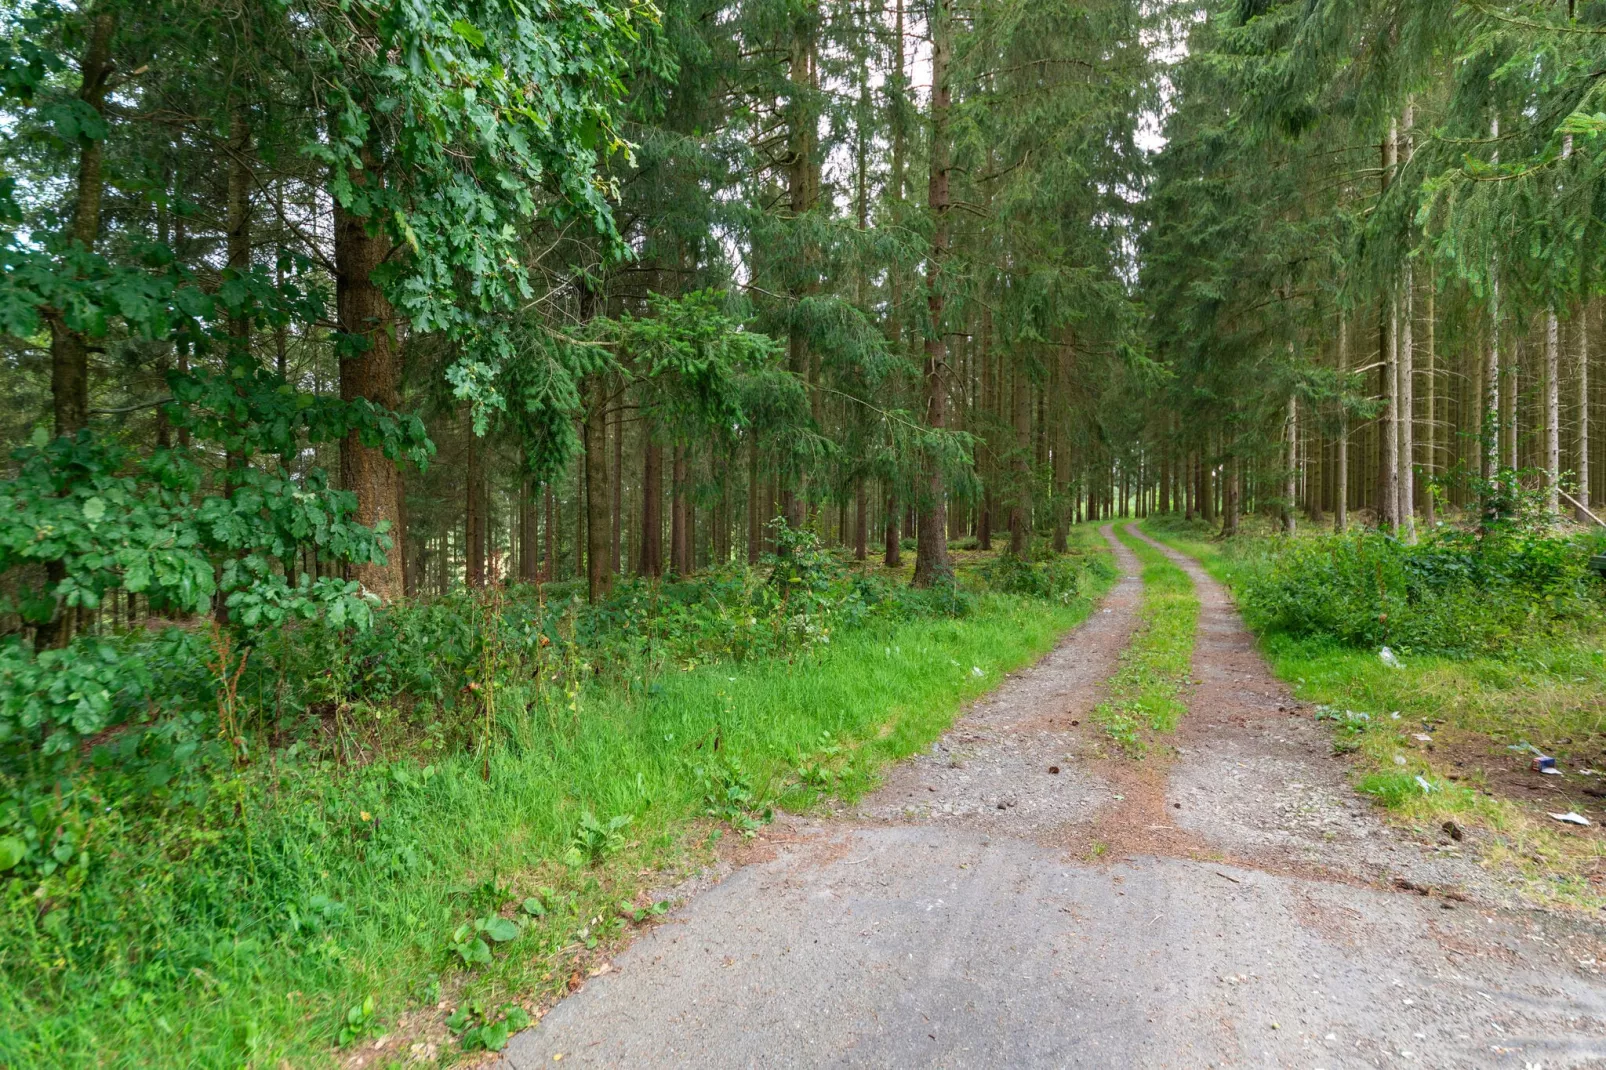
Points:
(1143, 691)
(450, 813)
(1405, 724)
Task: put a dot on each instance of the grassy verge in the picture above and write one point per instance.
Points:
(1450, 722)
(433, 902)
(1153, 669)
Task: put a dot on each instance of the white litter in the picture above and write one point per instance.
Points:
(1387, 657)
(1424, 737)
(1573, 818)
(1426, 786)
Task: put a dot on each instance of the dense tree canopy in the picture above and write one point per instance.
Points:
(311, 308)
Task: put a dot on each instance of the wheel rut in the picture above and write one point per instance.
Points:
(1226, 904)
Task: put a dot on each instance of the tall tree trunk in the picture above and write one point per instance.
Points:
(474, 513)
(529, 535)
(652, 509)
(368, 372)
(1583, 411)
(861, 520)
(69, 350)
(1406, 371)
(892, 541)
(1552, 413)
(616, 536)
(679, 517)
(1341, 476)
(931, 554)
(549, 565)
(1291, 463)
(1020, 505)
(755, 513)
(599, 524)
(1490, 431)
(1430, 452)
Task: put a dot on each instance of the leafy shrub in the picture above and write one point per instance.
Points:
(1455, 593)
(1059, 578)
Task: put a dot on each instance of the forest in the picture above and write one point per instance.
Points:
(463, 451)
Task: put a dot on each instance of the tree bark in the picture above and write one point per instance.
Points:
(679, 517)
(932, 565)
(599, 525)
(1291, 464)
(1341, 477)
(474, 514)
(755, 513)
(1583, 411)
(69, 350)
(652, 505)
(1552, 413)
(368, 373)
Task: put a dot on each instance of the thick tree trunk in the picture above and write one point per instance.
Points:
(652, 510)
(931, 554)
(529, 535)
(69, 350)
(368, 372)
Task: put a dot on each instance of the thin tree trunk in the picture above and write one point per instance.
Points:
(1341, 479)
(892, 542)
(1552, 413)
(679, 517)
(1583, 411)
(599, 525)
(1291, 469)
(1406, 372)
(755, 516)
(616, 536)
(474, 514)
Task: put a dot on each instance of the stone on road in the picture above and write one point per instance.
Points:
(1088, 921)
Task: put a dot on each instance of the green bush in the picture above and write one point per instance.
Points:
(1059, 578)
(1454, 593)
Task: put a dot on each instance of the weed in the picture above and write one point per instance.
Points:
(594, 840)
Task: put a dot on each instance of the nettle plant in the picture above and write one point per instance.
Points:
(223, 538)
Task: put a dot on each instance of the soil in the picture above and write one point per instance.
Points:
(1228, 902)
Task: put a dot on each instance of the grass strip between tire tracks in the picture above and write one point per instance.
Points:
(1143, 693)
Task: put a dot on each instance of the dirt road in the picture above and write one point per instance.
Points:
(1229, 904)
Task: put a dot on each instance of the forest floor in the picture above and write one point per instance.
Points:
(1026, 894)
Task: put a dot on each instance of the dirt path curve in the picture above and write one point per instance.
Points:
(980, 911)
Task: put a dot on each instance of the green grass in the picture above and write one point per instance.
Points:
(352, 883)
(1546, 693)
(1143, 692)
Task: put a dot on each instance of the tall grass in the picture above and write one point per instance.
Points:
(1548, 690)
(256, 937)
